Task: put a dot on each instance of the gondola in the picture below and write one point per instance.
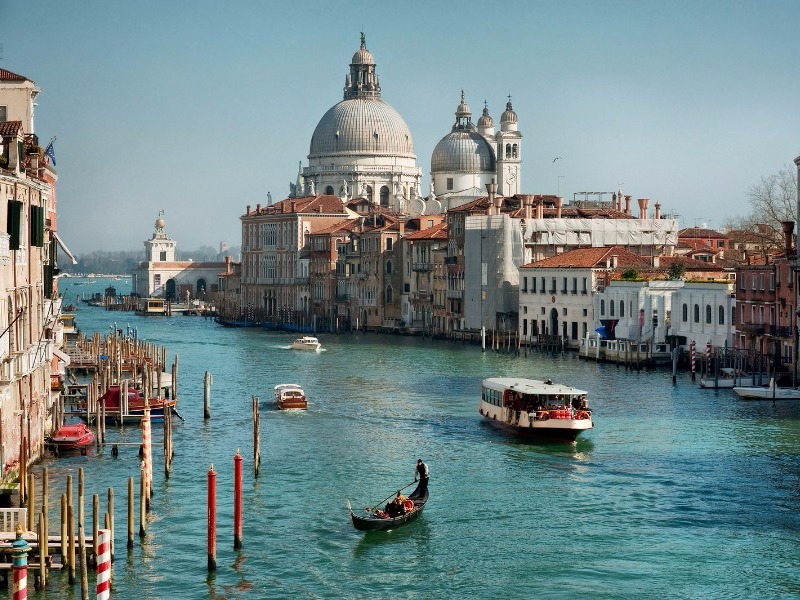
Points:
(376, 521)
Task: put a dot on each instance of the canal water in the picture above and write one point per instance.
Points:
(677, 492)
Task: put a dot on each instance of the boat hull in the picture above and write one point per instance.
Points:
(567, 430)
(72, 437)
(767, 393)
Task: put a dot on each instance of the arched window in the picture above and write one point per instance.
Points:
(722, 315)
(389, 294)
(329, 190)
(708, 314)
(508, 150)
(611, 308)
(388, 267)
(696, 313)
(685, 313)
(514, 151)
(369, 193)
(602, 307)
(621, 308)
(384, 196)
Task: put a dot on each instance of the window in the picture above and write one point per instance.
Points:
(753, 281)
(564, 288)
(565, 311)
(602, 307)
(574, 285)
(685, 313)
(708, 314)
(722, 315)
(508, 150)
(621, 308)
(389, 244)
(553, 286)
(389, 294)
(543, 290)
(369, 193)
(514, 151)
(696, 313)
(543, 310)
(533, 285)
(584, 289)
(772, 282)
(449, 184)
(384, 196)
(388, 267)
(3, 114)
(157, 279)
(524, 285)
(720, 243)
(742, 283)
(329, 190)
(611, 308)
(761, 282)
(733, 314)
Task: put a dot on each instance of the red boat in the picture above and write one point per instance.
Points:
(132, 410)
(72, 437)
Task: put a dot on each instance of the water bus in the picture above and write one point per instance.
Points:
(535, 409)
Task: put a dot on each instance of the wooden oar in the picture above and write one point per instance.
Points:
(389, 496)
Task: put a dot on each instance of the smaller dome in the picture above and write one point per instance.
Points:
(485, 119)
(463, 108)
(363, 57)
(463, 152)
(509, 116)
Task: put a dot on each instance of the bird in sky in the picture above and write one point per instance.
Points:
(556, 158)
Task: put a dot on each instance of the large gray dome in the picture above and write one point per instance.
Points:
(364, 127)
(462, 151)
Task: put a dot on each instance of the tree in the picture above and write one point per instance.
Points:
(631, 275)
(676, 270)
(774, 200)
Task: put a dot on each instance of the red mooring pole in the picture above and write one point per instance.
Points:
(212, 519)
(692, 357)
(237, 501)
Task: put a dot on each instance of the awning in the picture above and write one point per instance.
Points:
(62, 356)
(64, 247)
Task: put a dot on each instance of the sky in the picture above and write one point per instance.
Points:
(200, 108)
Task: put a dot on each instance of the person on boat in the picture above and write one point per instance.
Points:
(396, 507)
(421, 474)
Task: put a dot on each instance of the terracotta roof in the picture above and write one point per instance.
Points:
(437, 232)
(587, 258)
(9, 76)
(10, 128)
(345, 226)
(695, 244)
(699, 232)
(690, 264)
(327, 204)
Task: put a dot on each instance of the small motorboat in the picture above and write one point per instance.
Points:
(72, 437)
(290, 395)
(306, 342)
(770, 392)
(401, 510)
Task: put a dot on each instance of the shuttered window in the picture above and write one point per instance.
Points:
(14, 220)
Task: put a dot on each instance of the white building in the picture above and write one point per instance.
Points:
(161, 275)
(704, 311)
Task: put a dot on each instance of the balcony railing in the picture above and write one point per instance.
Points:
(422, 266)
(783, 331)
(420, 297)
(455, 294)
(752, 328)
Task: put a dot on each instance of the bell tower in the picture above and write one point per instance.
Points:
(509, 153)
(160, 248)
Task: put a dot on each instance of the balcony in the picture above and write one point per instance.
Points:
(781, 331)
(422, 266)
(21, 364)
(455, 294)
(752, 329)
(420, 297)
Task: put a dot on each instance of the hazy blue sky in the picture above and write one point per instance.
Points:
(199, 108)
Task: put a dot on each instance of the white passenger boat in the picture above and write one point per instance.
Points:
(534, 409)
(290, 395)
(769, 392)
(306, 342)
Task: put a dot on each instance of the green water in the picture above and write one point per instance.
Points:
(677, 492)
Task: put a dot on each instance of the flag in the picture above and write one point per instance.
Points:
(50, 153)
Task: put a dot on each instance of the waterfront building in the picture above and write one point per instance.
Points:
(703, 311)
(424, 255)
(562, 295)
(162, 275)
(31, 359)
(229, 293)
(765, 305)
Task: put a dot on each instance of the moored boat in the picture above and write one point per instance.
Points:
(398, 512)
(72, 437)
(535, 409)
(769, 392)
(290, 396)
(726, 378)
(120, 409)
(306, 342)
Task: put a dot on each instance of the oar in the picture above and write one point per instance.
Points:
(389, 496)
(177, 414)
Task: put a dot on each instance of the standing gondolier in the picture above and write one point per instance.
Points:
(421, 475)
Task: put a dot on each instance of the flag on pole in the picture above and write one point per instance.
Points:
(50, 153)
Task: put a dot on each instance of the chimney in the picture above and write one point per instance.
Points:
(491, 190)
(642, 208)
(527, 204)
(559, 202)
(788, 230)
(540, 208)
(248, 209)
(294, 206)
(227, 264)
(656, 262)
(628, 205)
(283, 206)
(614, 261)
(258, 208)
(401, 228)
(658, 210)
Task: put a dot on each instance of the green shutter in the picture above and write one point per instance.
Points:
(37, 226)
(14, 219)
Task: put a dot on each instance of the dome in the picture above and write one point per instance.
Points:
(363, 57)
(509, 116)
(361, 127)
(463, 152)
(485, 120)
(463, 108)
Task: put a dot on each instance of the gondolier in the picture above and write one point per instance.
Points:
(422, 475)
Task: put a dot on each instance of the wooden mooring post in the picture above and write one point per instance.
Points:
(256, 438)
(207, 381)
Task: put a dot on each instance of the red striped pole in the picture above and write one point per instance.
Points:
(237, 501)
(212, 519)
(103, 564)
(19, 564)
(692, 354)
(708, 358)
(148, 456)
